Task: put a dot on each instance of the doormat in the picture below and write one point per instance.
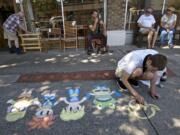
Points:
(81, 75)
(54, 77)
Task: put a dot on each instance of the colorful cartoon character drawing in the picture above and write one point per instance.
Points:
(46, 108)
(103, 97)
(18, 108)
(44, 117)
(74, 110)
(135, 108)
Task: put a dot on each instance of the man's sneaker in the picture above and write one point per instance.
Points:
(18, 51)
(11, 50)
(134, 83)
(163, 77)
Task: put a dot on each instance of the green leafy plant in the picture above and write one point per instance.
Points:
(138, 4)
(175, 4)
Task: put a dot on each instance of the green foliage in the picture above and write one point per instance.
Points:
(176, 4)
(45, 8)
(139, 4)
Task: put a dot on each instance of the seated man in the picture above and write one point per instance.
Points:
(140, 65)
(146, 23)
(95, 25)
(168, 23)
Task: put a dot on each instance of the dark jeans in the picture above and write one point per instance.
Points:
(96, 36)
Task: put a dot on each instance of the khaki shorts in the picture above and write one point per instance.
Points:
(10, 35)
(118, 72)
(144, 30)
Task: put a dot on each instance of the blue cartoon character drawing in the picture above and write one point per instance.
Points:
(44, 117)
(74, 110)
(103, 97)
(46, 108)
(18, 108)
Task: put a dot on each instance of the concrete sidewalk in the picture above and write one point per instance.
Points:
(119, 121)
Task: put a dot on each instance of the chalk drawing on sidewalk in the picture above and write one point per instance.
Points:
(74, 110)
(103, 97)
(44, 116)
(17, 109)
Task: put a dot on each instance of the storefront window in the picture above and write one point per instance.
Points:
(76, 10)
(80, 10)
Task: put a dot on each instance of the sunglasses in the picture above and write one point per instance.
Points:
(169, 10)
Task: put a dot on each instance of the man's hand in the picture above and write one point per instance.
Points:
(125, 77)
(154, 95)
(139, 99)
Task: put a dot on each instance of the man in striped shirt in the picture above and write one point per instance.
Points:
(10, 30)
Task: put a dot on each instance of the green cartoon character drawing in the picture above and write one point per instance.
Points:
(103, 97)
(74, 110)
(18, 108)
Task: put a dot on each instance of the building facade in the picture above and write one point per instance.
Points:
(115, 13)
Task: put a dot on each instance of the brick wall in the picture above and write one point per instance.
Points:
(115, 14)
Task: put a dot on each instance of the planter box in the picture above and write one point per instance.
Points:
(129, 37)
(116, 38)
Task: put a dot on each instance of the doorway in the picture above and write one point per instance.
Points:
(6, 9)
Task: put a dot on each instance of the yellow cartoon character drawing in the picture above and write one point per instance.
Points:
(134, 110)
(18, 108)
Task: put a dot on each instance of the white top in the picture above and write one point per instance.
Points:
(169, 20)
(146, 21)
(134, 60)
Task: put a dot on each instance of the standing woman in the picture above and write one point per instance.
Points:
(168, 23)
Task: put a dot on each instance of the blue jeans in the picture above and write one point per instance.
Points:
(167, 35)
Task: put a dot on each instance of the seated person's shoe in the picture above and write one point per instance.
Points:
(104, 50)
(110, 51)
(89, 52)
(171, 46)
